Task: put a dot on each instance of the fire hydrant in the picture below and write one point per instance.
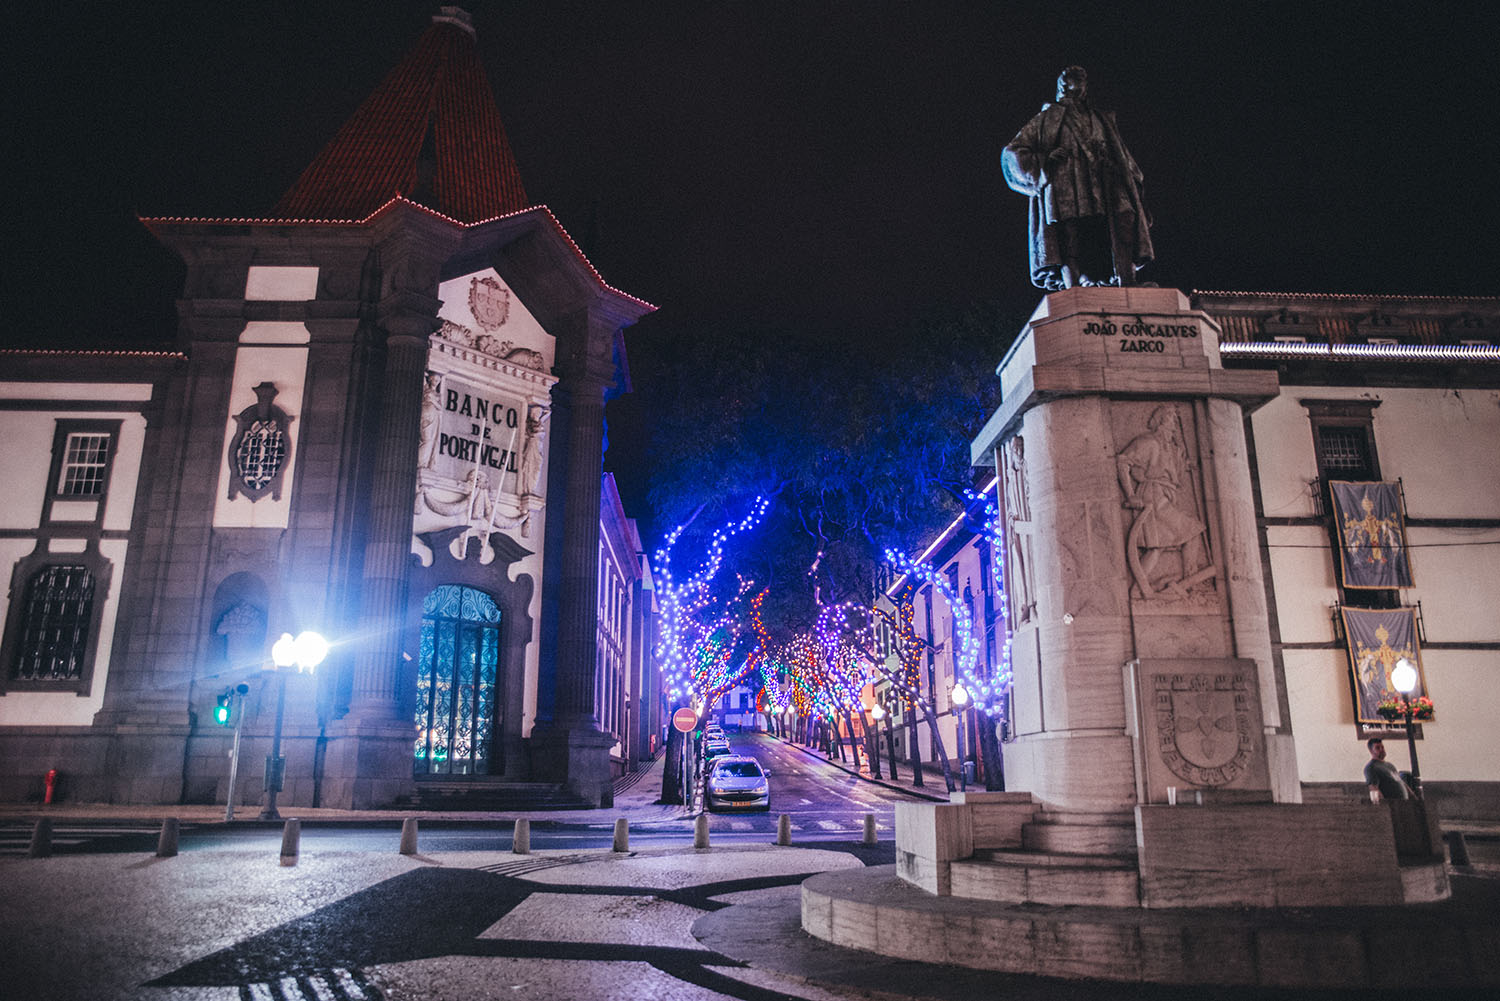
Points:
(51, 785)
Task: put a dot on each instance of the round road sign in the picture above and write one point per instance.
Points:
(685, 719)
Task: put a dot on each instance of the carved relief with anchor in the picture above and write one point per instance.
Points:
(1166, 545)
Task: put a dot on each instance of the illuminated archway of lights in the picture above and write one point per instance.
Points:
(696, 646)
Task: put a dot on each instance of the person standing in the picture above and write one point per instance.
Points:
(1381, 776)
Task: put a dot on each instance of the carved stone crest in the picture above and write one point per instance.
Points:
(1205, 725)
(259, 451)
(489, 301)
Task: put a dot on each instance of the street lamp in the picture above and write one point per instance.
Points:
(305, 652)
(1404, 678)
(877, 713)
(960, 699)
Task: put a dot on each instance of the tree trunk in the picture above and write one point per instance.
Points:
(914, 751)
(989, 748)
(671, 774)
(937, 745)
(890, 743)
(872, 742)
(853, 742)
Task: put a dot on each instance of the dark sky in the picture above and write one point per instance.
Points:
(830, 168)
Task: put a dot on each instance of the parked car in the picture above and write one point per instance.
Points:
(738, 782)
(713, 731)
(715, 748)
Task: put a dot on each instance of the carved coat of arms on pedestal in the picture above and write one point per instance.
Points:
(1199, 726)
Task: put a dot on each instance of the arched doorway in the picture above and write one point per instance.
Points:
(456, 695)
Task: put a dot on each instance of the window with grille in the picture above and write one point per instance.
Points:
(84, 465)
(1345, 453)
(56, 614)
(457, 716)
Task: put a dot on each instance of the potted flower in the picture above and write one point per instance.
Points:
(1394, 709)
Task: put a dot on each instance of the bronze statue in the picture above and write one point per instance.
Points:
(1088, 221)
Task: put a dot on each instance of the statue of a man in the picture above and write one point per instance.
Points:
(1088, 222)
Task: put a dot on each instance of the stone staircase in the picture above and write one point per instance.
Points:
(484, 796)
(1085, 859)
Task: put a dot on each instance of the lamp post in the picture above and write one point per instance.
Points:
(960, 699)
(305, 652)
(1404, 677)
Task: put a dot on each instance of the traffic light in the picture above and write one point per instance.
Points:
(224, 707)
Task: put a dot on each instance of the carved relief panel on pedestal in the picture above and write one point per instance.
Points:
(1167, 541)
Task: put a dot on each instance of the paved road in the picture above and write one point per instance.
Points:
(822, 801)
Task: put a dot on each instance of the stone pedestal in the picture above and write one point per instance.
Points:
(1122, 440)
(368, 765)
(577, 758)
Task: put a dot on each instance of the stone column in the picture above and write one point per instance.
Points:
(568, 746)
(369, 764)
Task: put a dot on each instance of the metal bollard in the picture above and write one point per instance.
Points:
(869, 828)
(700, 831)
(291, 836)
(622, 835)
(520, 841)
(41, 839)
(784, 829)
(1458, 848)
(409, 836)
(166, 843)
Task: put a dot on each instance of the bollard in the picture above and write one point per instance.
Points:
(166, 843)
(409, 836)
(1458, 848)
(622, 835)
(869, 828)
(700, 831)
(291, 834)
(784, 829)
(520, 842)
(41, 839)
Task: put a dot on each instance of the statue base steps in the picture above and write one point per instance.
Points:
(1267, 894)
(1347, 948)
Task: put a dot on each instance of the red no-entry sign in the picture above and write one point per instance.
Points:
(685, 719)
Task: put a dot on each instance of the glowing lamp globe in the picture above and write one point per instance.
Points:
(960, 695)
(1404, 677)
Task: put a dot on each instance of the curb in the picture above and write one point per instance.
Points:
(908, 790)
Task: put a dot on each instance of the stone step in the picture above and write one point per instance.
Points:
(1028, 878)
(501, 797)
(1080, 838)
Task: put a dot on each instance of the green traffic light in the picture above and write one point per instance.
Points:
(222, 709)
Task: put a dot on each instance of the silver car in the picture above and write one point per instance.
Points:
(738, 782)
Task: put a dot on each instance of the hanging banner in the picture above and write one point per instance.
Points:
(1372, 532)
(1379, 639)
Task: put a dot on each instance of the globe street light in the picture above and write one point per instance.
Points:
(1404, 678)
(960, 699)
(305, 652)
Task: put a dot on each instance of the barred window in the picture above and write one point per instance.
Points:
(85, 461)
(1346, 452)
(56, 613)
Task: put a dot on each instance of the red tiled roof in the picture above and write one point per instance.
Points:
(437, 101)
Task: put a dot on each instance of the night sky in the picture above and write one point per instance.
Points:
(826, 168)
